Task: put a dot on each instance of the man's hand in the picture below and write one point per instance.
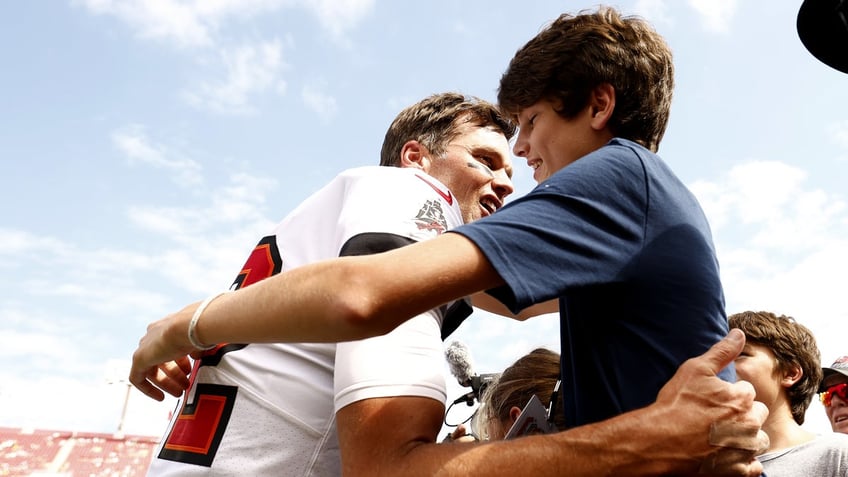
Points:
(460, 434)
(724, 422)
(161, 361)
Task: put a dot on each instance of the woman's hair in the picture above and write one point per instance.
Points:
(534, 373)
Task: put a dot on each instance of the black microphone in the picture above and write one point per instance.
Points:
(478, 384)
(467, 398)
(459, 360)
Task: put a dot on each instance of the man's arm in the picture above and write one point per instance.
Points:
(342, 299)
(351, 297)
(683, 432)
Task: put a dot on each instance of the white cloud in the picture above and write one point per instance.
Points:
(716, 15)
(16, 345)
(767, 202)
(89, 284)
(236, 204)
(209, 243)
(249, 70)
(55, 382)
(135, 144)
(339, 16)
(46, 321)
(57, 402)
(15, 243)
(323, 104)
(198, 23)
(192, 250)
(839, 133)
(783, 247)
(461, 28)
(655, 11)
(180, 22)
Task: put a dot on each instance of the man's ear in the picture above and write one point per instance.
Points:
(414, 154)
(792, 376)
(602, 105)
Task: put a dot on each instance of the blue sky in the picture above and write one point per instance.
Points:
(145, 146)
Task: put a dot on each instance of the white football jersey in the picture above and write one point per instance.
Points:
(269, 409)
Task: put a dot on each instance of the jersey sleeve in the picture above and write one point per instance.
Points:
(578, 228)
(402, 202)
(383, 211)
(404, 362)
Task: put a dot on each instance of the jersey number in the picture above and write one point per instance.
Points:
(263, 262)
(200, 426)
(195, 437)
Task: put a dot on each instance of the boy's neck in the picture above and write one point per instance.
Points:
(783, 431)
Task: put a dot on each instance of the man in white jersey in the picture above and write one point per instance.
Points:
(270, 409)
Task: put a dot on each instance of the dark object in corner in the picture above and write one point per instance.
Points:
(823, 29)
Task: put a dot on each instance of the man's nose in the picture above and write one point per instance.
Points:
(502, 184)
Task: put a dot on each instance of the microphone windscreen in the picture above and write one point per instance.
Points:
(459, 361)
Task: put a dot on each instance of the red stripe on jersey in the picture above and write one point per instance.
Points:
(447, 196)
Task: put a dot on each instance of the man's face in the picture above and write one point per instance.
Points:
(550, 142)
(477, 169)
(837, 412)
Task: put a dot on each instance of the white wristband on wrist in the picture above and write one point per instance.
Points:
(192, 333)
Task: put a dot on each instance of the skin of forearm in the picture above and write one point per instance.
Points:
(348, 298)
(607, 449)
(316, 303)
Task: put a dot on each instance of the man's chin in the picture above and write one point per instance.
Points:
(841, 426)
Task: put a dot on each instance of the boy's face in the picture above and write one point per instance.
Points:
(550, 142)
(758, 365)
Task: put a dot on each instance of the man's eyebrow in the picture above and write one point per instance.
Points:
(484, 150)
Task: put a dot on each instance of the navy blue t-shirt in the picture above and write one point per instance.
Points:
(628, 251)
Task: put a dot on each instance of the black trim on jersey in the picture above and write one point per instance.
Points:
(455, 315)
(215, 357)
(376, 242)
(373, 242)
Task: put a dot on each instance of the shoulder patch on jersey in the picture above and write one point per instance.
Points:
(431, 217)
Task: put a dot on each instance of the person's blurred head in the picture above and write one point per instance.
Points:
(780, 358)
(534, 373)
(833, 391)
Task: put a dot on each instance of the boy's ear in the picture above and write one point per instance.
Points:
(414, 154)
(602, 105)
(792, 376)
